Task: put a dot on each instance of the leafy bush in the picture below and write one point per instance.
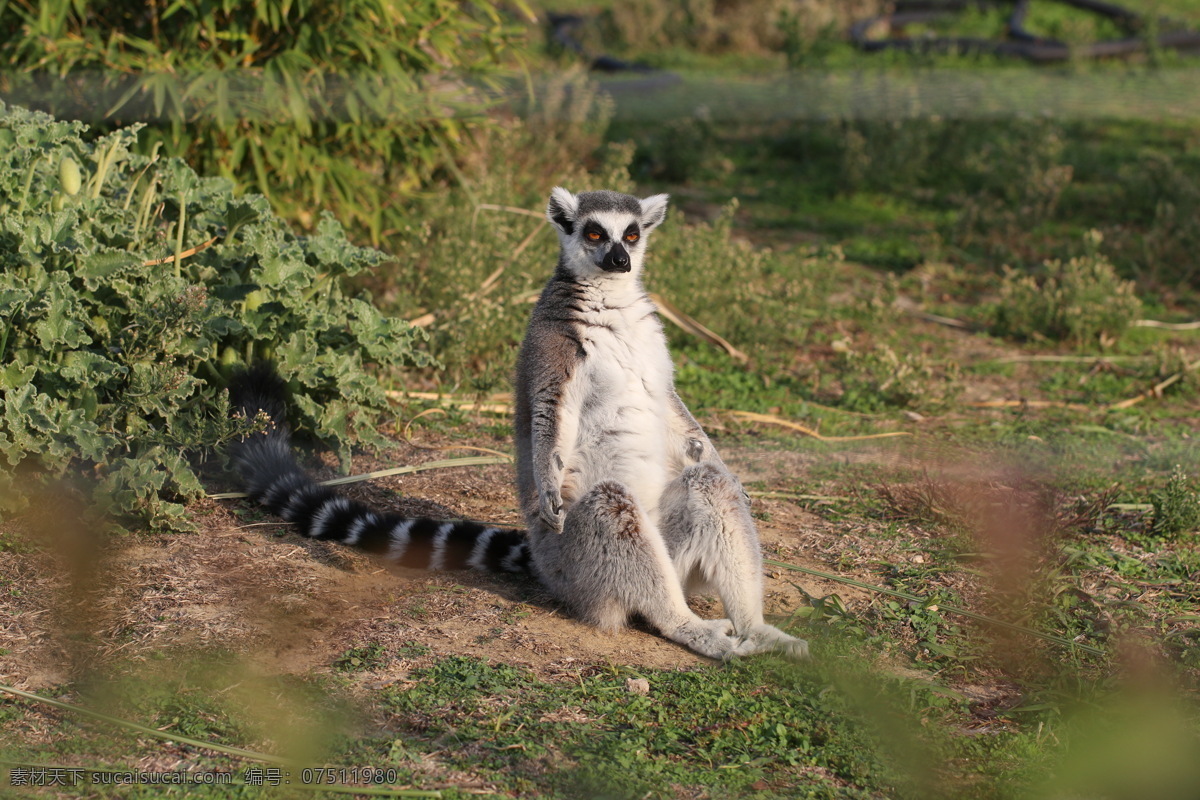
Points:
(348, 106)
(127, 283)
(1081, 300)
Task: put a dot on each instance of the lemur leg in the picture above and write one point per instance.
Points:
(609, 563)
(706, 524)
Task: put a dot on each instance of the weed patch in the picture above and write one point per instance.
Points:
(877, 378)
(1176, 506)
(358, 659)
(1079, 301)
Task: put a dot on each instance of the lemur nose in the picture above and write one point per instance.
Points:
(616, 260)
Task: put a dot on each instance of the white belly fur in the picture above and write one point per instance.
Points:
(621, 392)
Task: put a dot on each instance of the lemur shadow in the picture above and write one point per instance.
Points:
(511, 587)
(514, 588)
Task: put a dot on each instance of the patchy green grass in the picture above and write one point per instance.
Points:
(1037, 484)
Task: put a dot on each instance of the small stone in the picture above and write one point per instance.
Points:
(637, 686)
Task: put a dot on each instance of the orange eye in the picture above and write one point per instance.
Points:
(631, 237)
(595, 237)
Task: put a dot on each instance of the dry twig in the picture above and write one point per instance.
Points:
(470, 461)
(1157, 389)
(185, 254)
(1166, 326)
(444, 448)
(949, 322)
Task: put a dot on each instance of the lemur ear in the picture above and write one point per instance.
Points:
(562, 209)
(654, 211)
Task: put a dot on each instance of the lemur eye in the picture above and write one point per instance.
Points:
(595, 237)
(631, 237)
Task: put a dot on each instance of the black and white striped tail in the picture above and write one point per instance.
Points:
(275, 479)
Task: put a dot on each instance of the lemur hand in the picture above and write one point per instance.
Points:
(550, 509)
(695, 449)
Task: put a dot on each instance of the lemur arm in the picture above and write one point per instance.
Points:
(687, 441)
(554, 428)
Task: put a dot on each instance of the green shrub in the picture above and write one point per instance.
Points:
(1176, 506)
(1161, 193)
(1009, 172)
(346, 106)
(1078, 301)
(732, 287)
(122, 303)
(879, 377)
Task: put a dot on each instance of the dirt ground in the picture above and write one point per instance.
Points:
(246, 583)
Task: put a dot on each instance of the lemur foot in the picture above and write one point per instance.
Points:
(708, 637)
(769, 639)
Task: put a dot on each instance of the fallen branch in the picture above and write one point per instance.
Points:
(1030, 404)
(671, 312)
(470, 461)
(771, 419)
(1166, 326)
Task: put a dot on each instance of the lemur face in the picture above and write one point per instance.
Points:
(604, 233)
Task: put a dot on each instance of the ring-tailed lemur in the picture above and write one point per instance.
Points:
(626, 501)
